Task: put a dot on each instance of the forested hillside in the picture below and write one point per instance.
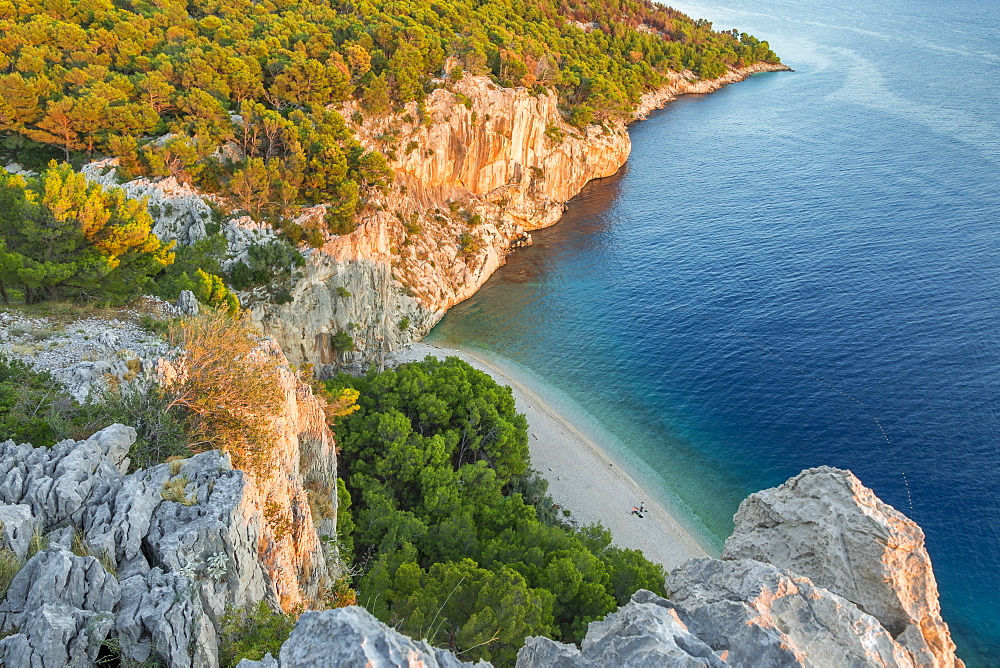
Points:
(164, 85)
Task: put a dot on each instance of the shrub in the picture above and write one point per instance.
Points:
(468, 244)
(252, 633)
(154, 325)
(34, 408)
(554, 134)
(343, 292)
(161, 432)
(342, 342)
(229, 387)
(266, 263)
(9, 566)
(282, 296)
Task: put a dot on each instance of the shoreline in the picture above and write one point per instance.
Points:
(583, 478)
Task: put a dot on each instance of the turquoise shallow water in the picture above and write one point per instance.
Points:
(800, 269)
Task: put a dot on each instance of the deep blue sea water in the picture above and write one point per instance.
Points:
(800, 269)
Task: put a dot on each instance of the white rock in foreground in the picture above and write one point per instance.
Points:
(824, 524)
(645, 632)
(353, 637)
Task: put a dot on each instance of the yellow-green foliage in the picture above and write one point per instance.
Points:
(209, 289)
(61, 233)
(111, 77)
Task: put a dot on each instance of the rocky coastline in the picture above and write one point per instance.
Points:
(817, 572)
(478, 169)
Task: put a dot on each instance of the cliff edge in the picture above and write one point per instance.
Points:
(740, 610)
(477, 167)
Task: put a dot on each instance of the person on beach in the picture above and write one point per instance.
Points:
(635, 511)
(642, 507)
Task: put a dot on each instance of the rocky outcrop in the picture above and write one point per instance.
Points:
(646, 632)
(688, 83)
(824, 524)
(150, 562)
(57, 611)
(754, 614)
(90, 355)
(869, 598)
(353, 637)
(729, 613)
(152, 559)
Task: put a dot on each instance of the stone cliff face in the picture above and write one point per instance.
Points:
(479, 168)
(151, 561)
(873, 601)
(476, 170)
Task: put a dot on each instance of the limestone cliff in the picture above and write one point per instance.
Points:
(151, 561)
(476, 169)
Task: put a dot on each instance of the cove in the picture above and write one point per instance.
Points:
(800, 269)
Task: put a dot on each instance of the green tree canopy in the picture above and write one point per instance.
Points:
(434, 461)
(61, 234)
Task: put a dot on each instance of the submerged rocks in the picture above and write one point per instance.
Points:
(825, 525)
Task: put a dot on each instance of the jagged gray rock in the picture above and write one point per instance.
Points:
(59, 607)
(17, 526)
(645, 632)
(754, 614)
(825, 525)
(182, 537)
(353, 637)
(187, 304)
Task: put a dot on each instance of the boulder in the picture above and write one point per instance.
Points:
(17, 526)
(353, 637)
(754, 614)
(187, 304)
(645, 632)
(825, 525)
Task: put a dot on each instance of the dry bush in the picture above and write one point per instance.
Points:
(230, 387)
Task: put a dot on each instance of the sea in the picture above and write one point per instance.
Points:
(801, 269)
